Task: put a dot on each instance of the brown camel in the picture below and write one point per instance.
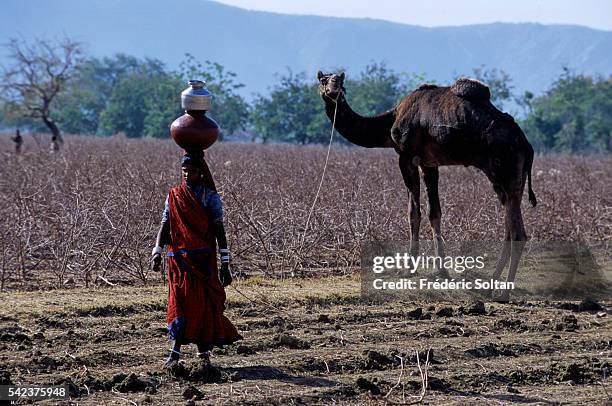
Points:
(445, 125)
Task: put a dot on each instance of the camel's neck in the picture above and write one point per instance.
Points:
(369, 132)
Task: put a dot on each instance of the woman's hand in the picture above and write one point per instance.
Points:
(225, 276)
(156, 262)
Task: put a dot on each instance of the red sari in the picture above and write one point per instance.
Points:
(196, 298)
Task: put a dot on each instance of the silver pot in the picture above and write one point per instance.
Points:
(196, 96)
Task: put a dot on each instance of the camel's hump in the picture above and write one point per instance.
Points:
(471, 89)
(427, 86)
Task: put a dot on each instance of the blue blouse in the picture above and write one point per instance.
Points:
(207, 197)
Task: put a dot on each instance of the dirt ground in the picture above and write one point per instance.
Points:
(309, 342)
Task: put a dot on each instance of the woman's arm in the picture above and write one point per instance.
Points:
(220, 234)
(213, 202)
(225, 276)
(163, 238)
(163, 235)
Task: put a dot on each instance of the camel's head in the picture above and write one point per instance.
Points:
(331, 85)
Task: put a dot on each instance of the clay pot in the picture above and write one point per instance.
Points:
(194, 130)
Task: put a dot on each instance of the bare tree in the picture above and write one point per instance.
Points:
(39, 73)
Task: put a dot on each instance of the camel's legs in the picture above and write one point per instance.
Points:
(517, 233)
(518, 236)
(505, 254)
(410, 173)
(430, 177)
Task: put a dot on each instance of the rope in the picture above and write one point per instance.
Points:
(257, 300)
(331, 139)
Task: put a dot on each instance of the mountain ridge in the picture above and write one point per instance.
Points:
(259, 44)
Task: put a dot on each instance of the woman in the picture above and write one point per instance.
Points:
(191, 222)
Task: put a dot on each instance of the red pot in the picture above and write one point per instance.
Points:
(194, 130)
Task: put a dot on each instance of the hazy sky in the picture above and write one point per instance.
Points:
(591, 13)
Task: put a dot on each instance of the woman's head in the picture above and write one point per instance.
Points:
(191, 166)
(195, 170)
(191, 173)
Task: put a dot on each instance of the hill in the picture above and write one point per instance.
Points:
(257, 45)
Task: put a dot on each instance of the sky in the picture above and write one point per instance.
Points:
(432, 13)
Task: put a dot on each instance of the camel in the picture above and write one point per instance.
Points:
(445, 125)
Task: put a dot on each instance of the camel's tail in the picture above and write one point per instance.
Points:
(528, 164)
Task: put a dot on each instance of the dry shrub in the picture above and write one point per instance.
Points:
(94, 208)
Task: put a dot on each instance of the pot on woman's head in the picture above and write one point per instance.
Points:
(194, 130)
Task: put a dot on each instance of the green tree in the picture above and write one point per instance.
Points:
(126, 108)
(598, 116)
(79, 108)
(292, 112)
(163, 106)
(143, 98)
(229, 109)
(378, 89)
(574, 115)
(142, 105)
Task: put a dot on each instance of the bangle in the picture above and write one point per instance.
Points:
(156, 250)
(224, 253)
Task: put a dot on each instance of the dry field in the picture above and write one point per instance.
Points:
(91, 212)
(308, 341)
(94, 209)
